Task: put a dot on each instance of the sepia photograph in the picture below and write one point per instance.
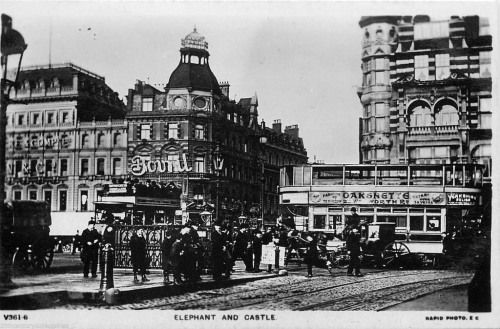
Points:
(241, 164)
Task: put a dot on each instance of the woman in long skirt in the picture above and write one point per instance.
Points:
(138, 254)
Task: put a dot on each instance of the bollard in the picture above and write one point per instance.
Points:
(276, 259)
(106, 264)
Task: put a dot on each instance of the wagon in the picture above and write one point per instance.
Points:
(379, 248)
(26, 240)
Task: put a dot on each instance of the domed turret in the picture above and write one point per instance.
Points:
(193, 70)
(194, 40)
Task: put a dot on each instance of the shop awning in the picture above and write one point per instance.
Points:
(65, 223)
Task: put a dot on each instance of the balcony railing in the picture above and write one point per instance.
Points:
(433, 130)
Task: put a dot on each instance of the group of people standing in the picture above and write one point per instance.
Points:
(184, 257)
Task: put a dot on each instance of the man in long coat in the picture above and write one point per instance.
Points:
(90, 249)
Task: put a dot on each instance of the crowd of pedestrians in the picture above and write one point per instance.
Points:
(185, 256)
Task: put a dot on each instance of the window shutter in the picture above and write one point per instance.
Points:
(179, 131)
(165, 131)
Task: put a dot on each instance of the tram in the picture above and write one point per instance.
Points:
(423, 203)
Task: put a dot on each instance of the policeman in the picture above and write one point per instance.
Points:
(353, 237)
(218, 248)
(90, 249)
(257, 250)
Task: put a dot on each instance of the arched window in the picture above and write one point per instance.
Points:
(40, 84)
(420, 115)
(100, 139)
(85, 140)
(117, 140)
(54, 83)
(447, 116)
(199, 132)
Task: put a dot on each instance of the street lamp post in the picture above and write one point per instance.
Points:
(12, 50)
(262, 142)
(218, 164)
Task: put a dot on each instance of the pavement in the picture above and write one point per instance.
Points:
(65, 284)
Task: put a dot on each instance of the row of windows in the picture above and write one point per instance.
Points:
(414, 223)
(47, 196)
(101, 140)
(40, 83)
(37, 118)
(421, 68)
(171, 131)
(62, 200)
(49, 168)
(440, 29)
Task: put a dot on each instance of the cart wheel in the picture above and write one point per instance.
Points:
(340, 261)
(44, 260)
(394, 254)
(21, 262)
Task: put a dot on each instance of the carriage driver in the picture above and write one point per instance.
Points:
(90, 249)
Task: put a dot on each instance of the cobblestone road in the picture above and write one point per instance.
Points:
(375, 291)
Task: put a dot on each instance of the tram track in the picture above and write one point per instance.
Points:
(329, 294)
(224, 300)
(387, 296)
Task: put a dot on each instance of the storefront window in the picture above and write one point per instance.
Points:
(433, 223)
(333, 220)
(32, 195)
(319, 221)
(417, 223)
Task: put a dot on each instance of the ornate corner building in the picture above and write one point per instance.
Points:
(426, 90)
(66, 139)
(190, 133)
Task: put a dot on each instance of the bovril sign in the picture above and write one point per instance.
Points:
(142, 165)
(378, 198)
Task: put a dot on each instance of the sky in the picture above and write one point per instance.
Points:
(301, 58)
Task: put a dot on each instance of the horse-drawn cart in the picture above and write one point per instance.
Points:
(26, 235)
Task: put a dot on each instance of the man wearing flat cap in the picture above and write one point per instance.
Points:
(90, 249)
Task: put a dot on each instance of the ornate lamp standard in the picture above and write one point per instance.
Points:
(12, 50)
(262, 142)
(218, 163)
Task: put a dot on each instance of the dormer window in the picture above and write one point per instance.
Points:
(147, 104)
(40, 84)
(54, 83)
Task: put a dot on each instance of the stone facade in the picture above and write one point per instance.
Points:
(426, 90)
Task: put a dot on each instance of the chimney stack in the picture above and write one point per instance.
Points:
(277, 126)
(292, 131)
(224, 87)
